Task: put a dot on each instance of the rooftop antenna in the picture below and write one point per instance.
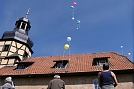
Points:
(27, 13)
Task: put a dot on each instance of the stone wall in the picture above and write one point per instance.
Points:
(72, 82)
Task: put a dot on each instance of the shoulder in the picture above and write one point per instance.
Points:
(112, 73)
(61, 80)
(51, 80)
(99, 73)
(8, 85)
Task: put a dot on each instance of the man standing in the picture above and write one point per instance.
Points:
(106, 78)
(56, 83)
(8, 84)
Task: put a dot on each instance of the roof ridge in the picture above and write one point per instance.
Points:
(74, 54)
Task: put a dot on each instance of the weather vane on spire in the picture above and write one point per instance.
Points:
(27, 13)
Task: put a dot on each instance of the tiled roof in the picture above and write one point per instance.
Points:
(77, 63)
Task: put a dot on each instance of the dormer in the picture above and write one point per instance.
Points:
(100, 61)
(23, 65)
(60, 64)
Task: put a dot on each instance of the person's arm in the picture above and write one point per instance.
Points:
(12, 84)
(49, 85)
(99, 75)
(115, 79)
(64, 85)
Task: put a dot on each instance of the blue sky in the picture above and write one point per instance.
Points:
(105, 25)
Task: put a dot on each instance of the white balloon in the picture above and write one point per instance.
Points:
(129, 53)
(72, 18)
(68, 38)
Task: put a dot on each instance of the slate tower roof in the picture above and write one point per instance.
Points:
(20, 32)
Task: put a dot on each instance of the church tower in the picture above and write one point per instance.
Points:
(15, 45)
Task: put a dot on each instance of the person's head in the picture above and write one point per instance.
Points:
(105, 66)
(8, 79)
(56, 76)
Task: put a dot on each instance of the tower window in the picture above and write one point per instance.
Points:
(23, 25)
(60, 64)
(25, 55)
(27, 27)
(6, 48)
(100, 61)
(18, 24)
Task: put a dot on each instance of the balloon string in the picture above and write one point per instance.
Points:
(63, 56)
(78, 26)
(73, 14)
(122, 51)
(122, 54)
(69, 50)
(63, 53)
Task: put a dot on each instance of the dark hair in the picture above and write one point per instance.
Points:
(105, 66)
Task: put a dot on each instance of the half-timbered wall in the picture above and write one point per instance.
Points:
(8, 48)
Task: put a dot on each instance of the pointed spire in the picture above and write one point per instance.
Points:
(27, 13)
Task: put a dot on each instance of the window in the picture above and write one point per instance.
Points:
(96, 85)
(100, 61)
(60, 64)
(18, 24)
(25, 55)
(6, 48)
(23, 25)
(21, 66)
(24, 65)
(27, 28)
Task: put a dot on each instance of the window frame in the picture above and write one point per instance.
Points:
(98, 61)
(23, 65)
(6, 47)
(25, 55)
(60, 64)
(101, 63)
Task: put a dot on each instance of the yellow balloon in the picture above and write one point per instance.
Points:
(66, 46)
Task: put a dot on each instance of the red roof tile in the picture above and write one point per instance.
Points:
(77, 63)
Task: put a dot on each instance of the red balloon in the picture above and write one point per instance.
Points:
(74, 4)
